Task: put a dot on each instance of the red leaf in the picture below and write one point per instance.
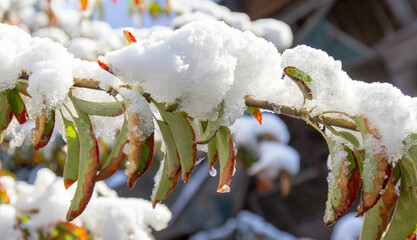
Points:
(129, 36)
(103, 66)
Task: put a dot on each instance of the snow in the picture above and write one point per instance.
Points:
(124, 218)
(247, 130)
(347, 228)
(274, 158)
(202, 63)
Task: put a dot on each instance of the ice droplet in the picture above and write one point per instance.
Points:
(213, 172)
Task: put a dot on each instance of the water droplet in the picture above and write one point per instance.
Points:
(224, 189)
(213, 172)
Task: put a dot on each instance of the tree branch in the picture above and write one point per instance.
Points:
(285, 110)
(292, 112)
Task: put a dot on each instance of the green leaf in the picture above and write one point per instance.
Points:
(6, 114)
(350, 137)
(73, 153)
(89, 160)
(377, 218)
(376, 170)
(107, 109)
(301, 79)
(210, 130)
(155, 9)
(224, 145)
(43, 130)
(404, 220)
(113, 161)
(170, 167)
(212, 154)
(184, 138)
(17, 105)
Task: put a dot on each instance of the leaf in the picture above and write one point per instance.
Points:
(43, 129)
(226, 154)
(350, 137)
(404, 220)
(376, 170)
(256, 113)
(89, 159)
(209, 132)
(69, 231)
(146, 157)
(155, 9)
(129, 36)
(184, 138)
(344, 181)
(212, 154)
(84, 4)
(107, 109)
(103, 66)
(113, 161)
(170, 169)
(6, 114)
(140, 153)
(17, 105)
(73, 153)
(377, 218)
(301, 79)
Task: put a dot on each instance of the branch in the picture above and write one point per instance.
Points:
(285, 110)
(292, 112)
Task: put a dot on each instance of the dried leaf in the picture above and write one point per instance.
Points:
(89, 159)
(256, 113)
(344, 181)
(226, 154)
(107, 109)
(113, 161)
(377, 218)
(184, 138)
(376, 170)
(73, 153)
(43, 130)
(301, 79)
(170, 169)
(17, 105)
(285, 183)
(140, 152)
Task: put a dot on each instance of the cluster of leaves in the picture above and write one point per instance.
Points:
(83, 164)
(354, 165)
